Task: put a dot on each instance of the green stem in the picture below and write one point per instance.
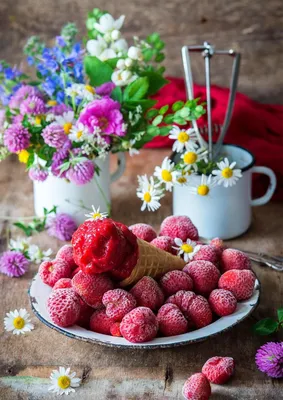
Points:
(103, 195)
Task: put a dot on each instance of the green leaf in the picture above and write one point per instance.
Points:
(137, 89)
(157, 120)
(164, 130)
(179, 120)
(153, 38)
(168, 119)
(159, 57)
(26, 229)
(117, 94)
(147, 54)
(280, 315)
(163, 110)
(30, 160)
(265, 326)
(152, 113)
(156, 81)
(46, 152)
(178, 105)
(112, 62)
(98, 71)
(144, 103)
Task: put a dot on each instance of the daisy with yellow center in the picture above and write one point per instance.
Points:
(186, 249)
(63, 381)
(52, 103)
(185, 139)
(23, 156)
(205, 186)
(166, 174)
(149, 192)
(191, 158)
(78, 133)
(184, 176)
(66, 121)
(18, 322)
(226, 174)
(96, 214)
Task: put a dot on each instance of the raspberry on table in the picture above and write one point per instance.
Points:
(148, 293)
(222, 302)
(207, 253)
(143, 231)
(199, 312)
(234, 259)
(173, 281)
(171, 320)
(139, 325)
(100, 322)
(165, 243)
(239, 282)
(179, 227)
(219, 369)
(197, 387)
(118, 303)
(63, 283)
(91, 288)
(51, 271)
(115, 329)
(64, 307)
(204, 274)
(66, 254)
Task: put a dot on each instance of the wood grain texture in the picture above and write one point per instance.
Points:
(253, 27)
(120, 374)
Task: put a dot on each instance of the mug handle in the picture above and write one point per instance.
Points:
(121, 164)
(271, 189)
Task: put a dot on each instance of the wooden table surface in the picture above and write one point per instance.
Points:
(108, 373)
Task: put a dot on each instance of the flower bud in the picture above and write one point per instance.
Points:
(115, 35)
(120, 64)
(128, 62)
(135, 53)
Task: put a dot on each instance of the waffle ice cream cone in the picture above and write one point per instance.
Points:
(152, 262)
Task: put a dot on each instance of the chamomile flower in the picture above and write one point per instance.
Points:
(78, 133)
(149, 192)
(206, 184)
(186, 249)
(36, 255)
(18, 322)
(192, 157)
(96, 214)
(166, 173)
(63, 382)
(66, 121)
(226, 174)
(185, 175)
(185, 139)
(19, 244)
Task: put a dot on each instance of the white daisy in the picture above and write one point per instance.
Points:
(78, 133)
(36, 255)
(185, 139)
(192, 157)
(108, 24)
(188, 249)
(206, 184)
(166, 173)
(18, 322)
(185, 176)
(96, 214)
(226, 174)
(20, 244)
(66, 121)
(149, 192)
(63, 382)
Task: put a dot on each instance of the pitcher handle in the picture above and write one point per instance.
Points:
(271, 189)
(121, 164)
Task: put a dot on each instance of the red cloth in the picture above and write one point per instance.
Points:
(255, 126)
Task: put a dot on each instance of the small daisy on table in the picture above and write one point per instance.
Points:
(206, 184)
(149, 192)
(185, 139)
(186, 249)
(166, 174)
(96, 214)
(18, 322)
(226, 174)
(63, 382)
(191, 158)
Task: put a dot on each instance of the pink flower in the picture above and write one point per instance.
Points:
(59, 109)
(16, 138)
(33, 105)
(61, 226)
(38, 174)
(13, 264)
(104, 114)
(81, 173)
(23, 93)
(54, 136)
(105, 89)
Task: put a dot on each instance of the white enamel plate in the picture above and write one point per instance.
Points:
(39, 293)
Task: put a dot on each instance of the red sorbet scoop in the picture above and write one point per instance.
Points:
(105, 245)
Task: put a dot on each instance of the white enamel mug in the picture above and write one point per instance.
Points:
(225, 212)
(74, 199)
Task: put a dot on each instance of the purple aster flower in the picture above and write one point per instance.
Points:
(17, 119)
(269, 359)
(38, 174)
(61, 226)
(81, 173)
(33, 105)
(13, 263)
(105, 89)
(59, 109)
(54, 135)
(16, 138)
(59, 157)
(105, 114)
(23, 93)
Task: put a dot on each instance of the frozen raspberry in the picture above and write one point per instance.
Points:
(218, 245)
(64, 307)
(139, 325)
(239, 282)
(207, 253)
(147, 293)
(204, 274)
(173, 281)
(165, 243)
(219, 369)
(234, 259)
(183, 300)
(143, 231)
(118, 303)
(85, 314)
(199, 312)
(91, 287)
(66, 254)
(197, 387)
(115, 329)
(100, 322)
(171, 320)
(51, 271)
(75, 272)
(63, 283)
(179, 227)
(222, 302)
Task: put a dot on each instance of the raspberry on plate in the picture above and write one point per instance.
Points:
(51, 271)
(100, 322)
(173, 281)
(91, 288)
(222, 302)
(204, 274)
(234, 259)
(147, 293)
(66, 254)
(118, 303)
(239, 282)
(179, 227)
(64, 307)
(139, 325)
(197, 387)
(207, 253)
(199, 312)
(115, 329)
(171, 320)
(165, 243)
(63, 283)
(219, 369)
(143, 231)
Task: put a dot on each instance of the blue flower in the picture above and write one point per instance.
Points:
(60, 41)
(60, 96)
(30, 60)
